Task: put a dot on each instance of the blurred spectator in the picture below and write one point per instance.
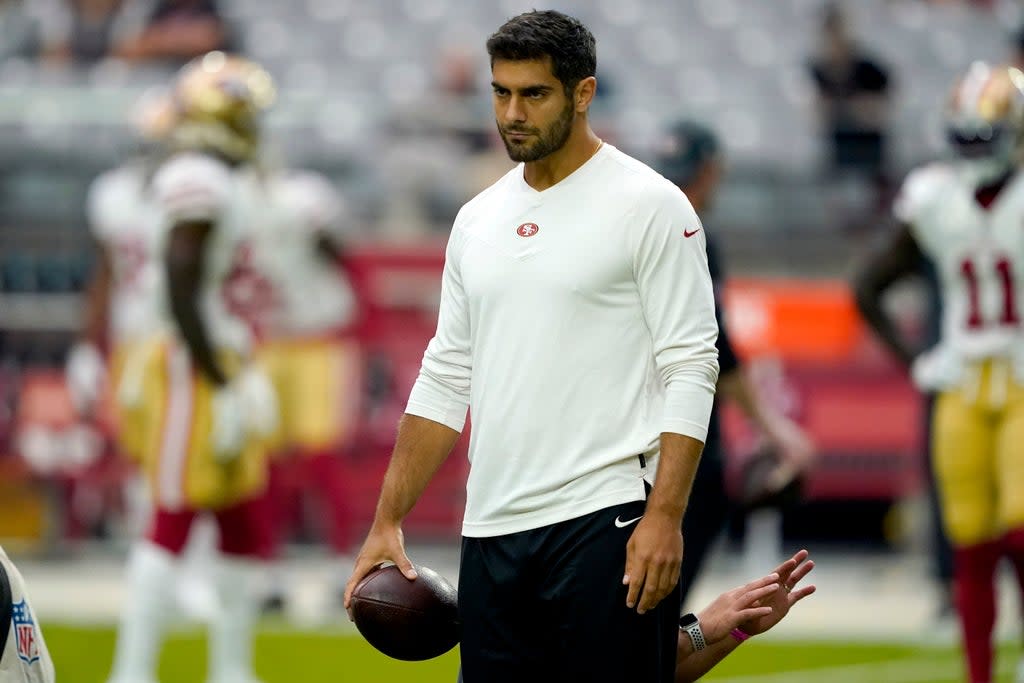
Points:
(853, 99)
(457, 72)
(169, 31)
(84, 31)
(459, 103)
(177, 31)
(19, 31)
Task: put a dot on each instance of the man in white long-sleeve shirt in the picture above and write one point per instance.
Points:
(577, 322)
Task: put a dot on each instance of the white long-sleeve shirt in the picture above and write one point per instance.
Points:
(578, 323)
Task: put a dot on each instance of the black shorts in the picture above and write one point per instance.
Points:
(548, 604)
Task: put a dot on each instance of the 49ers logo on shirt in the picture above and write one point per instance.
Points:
(527, 230)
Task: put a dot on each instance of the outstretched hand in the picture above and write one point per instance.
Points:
(737, 606)
(786, 594)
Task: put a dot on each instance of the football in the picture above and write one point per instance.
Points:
(407, 620)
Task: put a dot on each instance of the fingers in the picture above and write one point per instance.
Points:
(798, 595)
(784, 569)
(358, 572)
(800, 572)
(406, 567)
(787, 569)
(753, 596)
(790, 582)
(661, 578)
(635, 577)
(770, 580)
(798, 557)
(649, 582)
(363, 567)
(751, 613)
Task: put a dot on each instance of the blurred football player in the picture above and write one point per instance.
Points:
(691, 158)
(304, 311)
(208, 407)
(122, 299)
(965, 216)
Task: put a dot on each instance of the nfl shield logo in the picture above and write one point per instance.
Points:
(25, 633)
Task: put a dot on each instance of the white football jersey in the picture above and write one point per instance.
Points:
(312, 296)
(197, 187)
(24, 657)
(125, 220)
(979, 255)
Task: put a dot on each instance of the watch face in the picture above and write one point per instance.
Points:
(687, 620)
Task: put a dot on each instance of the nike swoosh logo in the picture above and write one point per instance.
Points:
(619, 523)
(690, 233)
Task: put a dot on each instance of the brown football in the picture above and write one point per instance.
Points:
(408, 620)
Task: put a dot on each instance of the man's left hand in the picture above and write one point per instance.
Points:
(654, 555)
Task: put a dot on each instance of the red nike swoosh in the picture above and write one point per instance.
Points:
(688, 233)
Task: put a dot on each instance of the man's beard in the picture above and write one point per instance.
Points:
(544, 143)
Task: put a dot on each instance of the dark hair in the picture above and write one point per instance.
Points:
(539, 34)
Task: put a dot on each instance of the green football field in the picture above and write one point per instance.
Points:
(82, 655)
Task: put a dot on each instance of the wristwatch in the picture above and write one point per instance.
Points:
(690, 624)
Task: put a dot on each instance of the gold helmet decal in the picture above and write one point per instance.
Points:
(219, 101)
(985, 111)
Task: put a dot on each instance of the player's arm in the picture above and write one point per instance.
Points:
(897, 259)
(97, 298)
(184, 264)
(84, 370)
(677, 299)
(421, 446)
(654, 553)
(734, 384)
(793, 444)
(435, 415)
(192, 190)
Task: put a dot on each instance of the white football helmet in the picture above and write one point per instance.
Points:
(985, 120)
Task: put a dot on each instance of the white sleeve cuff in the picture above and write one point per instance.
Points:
(432, 403)
(688, 412)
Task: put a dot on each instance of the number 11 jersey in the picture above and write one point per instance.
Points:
(978, 249)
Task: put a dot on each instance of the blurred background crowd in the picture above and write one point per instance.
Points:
(821, 110)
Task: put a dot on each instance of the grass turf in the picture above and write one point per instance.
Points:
(82, 654)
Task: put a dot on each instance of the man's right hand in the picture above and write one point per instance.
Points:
(383, 544)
